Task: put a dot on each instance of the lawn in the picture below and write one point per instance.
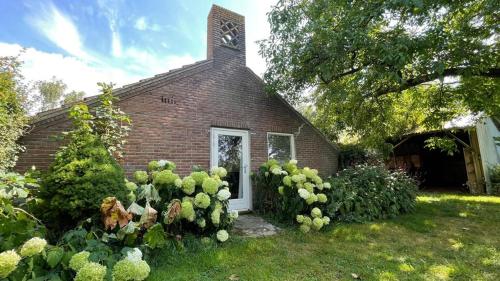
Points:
(448, 237)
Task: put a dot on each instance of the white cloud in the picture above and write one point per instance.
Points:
(116, 44)
(83, 75)
(59, 29)
(142, 24)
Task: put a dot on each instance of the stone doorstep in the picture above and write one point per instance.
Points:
(250, 225)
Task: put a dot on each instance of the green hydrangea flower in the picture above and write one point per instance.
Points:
(271, 162)
(188, 185)
(78, 260)
(165, 164)
(307, 220)
(32, 247)
(222, 235)
(221, 172)
(127, 270)
(141, 177)
(313, 198)
(201, 222)
(322, 198)
(131, 185)
(316, 212)
(164, 178)
(317, 180)
(187, 211)
(327, 185)
(178, 183)
(153, 166)
(131, 196)
(290, 167)
(202, 200)
(199, 177)
(305, 228)
(309, 173)
(309, 187)
(281, 189)
(287, 180)
(210, 186)
(300, 218)
(326, 220)
(91, 271)
(8, 262)
(317, 223)
(215, 216)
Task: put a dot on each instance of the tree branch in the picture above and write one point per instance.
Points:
(410, 83)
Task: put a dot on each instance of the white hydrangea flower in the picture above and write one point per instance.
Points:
(134, 255)
(223, 194)
(276, 171)
(162, 163)
(293, 162)
(222, 235)
(327, 185)
(234, 214)
(225, 183)
(304, 194)
(285, 173)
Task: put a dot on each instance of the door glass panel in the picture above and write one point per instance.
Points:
(230, 157)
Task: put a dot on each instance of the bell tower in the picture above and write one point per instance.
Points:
(226, 36)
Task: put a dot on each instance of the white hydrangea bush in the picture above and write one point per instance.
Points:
(290, 193)
(196, 203)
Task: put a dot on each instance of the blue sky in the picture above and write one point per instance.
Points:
(84, 42)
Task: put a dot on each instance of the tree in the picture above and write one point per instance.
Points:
(13, 117)
(73, 97)
(385, 68)
(51, 92)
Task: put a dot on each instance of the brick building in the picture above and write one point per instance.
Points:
(213, 112)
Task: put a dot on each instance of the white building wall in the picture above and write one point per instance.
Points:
(490, 152)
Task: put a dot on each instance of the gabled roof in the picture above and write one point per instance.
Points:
(158, 80)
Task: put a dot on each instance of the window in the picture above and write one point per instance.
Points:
(280, 146)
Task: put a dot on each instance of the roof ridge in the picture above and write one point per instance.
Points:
(121, 90)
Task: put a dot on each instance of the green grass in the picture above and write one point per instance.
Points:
(448, 237)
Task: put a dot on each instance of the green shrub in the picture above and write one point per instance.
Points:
(354, 154)
(288, 193)
(81, 176)
(17, 224)
(495, 178)
(364, 193)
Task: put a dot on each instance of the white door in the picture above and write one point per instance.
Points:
(230, 149)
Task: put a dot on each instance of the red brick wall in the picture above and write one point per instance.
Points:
(223, 95)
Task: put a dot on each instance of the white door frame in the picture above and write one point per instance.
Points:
(245, 203)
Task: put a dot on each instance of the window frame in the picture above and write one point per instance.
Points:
(292, 143)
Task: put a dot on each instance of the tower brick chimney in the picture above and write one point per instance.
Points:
(226, 36)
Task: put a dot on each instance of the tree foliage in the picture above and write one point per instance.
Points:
(13, 117)
(73, 97)
(111, 124)
(384, 68)
(51, 92)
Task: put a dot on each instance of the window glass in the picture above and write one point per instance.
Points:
(279, 147)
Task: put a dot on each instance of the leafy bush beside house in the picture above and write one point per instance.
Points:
(82, 175)
(365, 192)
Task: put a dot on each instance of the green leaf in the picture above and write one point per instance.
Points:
(155, 237)
(54, 256)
